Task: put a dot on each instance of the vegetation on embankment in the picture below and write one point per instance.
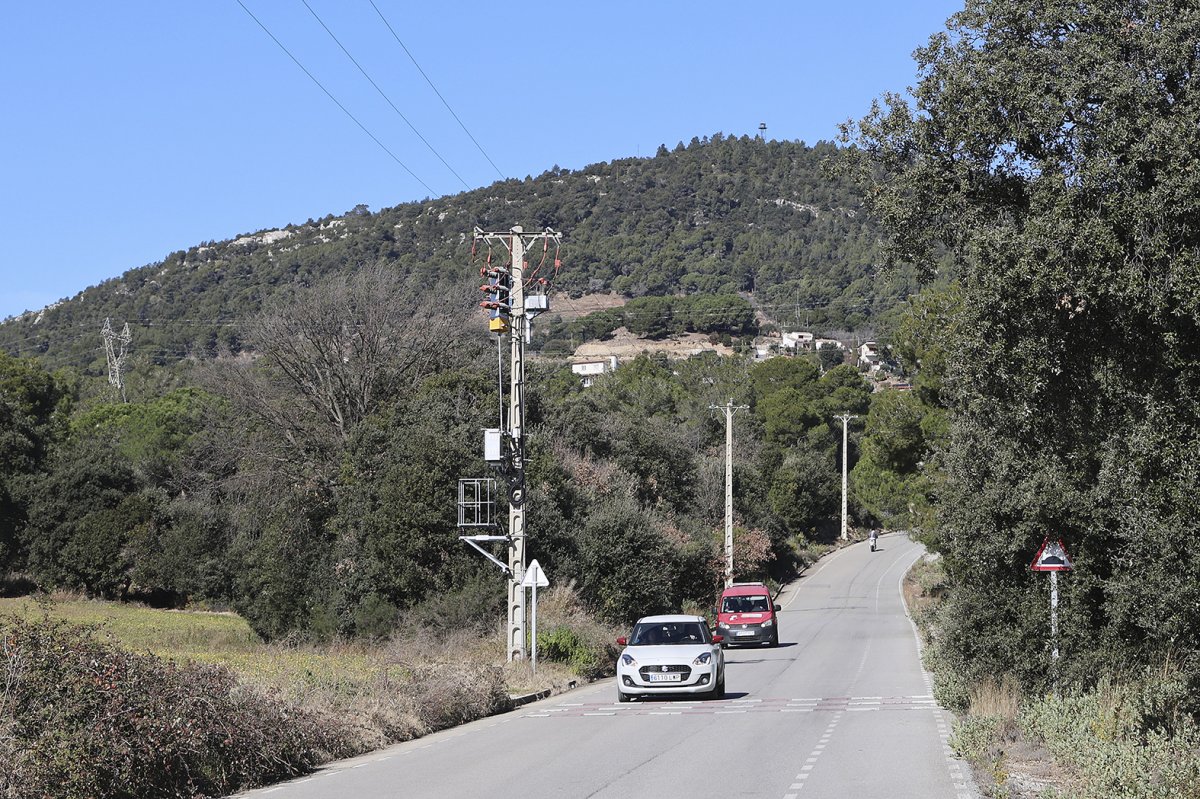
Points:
(100, 699)
(1126, 737)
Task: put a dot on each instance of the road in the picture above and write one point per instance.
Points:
(841, 710)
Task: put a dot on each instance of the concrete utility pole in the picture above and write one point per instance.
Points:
(845, 418)
(730, 409)
(518, 313)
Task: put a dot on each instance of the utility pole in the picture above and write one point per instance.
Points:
(730, 409)
(116, 360)
(512, 311)
(845, 418)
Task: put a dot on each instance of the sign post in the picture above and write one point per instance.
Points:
(1053, 558)
(535, 578)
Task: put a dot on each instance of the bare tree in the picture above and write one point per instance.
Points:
(330, 355)
(351, 342)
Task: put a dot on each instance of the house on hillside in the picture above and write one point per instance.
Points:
(798, 340)
(588, 371)
(870, 357)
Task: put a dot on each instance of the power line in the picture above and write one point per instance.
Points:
(337, 102)
(387, 99)
(439, 94)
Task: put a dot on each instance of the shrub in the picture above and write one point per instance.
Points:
(83, 718)
(1125, 740)
(569, 634)
(473, 607)
(447, 694)
(563, 645)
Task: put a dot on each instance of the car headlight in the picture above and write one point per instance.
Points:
(702, 659)
(628, 661)
(769, 623)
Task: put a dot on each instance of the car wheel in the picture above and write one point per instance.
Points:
(623, 697)
(774, 640)
(718, 691)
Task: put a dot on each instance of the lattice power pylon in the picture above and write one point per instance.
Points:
(116, 359)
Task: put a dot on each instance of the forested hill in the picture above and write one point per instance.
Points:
(715, 216)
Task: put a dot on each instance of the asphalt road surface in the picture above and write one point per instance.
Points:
(841, 710)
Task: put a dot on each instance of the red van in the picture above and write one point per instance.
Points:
(746, 614)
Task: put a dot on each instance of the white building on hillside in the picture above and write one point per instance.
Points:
(798, 340)
(588, 371)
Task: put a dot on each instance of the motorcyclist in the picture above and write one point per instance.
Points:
(874, 538)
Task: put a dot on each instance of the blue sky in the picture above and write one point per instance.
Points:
(137, 128)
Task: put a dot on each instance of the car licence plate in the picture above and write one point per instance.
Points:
(743, 633)
(669, 677)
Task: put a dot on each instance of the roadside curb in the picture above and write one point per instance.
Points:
(525, 699)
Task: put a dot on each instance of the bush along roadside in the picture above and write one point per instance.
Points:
(79, 717)
(1129, 737)
(569, 635)
(1121, 740)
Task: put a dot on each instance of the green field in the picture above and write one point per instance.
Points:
(218, 638)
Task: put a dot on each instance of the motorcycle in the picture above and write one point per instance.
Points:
(874, 540)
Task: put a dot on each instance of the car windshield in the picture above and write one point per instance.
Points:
(746, 604)
(671, 632)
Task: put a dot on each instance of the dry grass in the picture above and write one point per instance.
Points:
(924, 586)
(405, 688)
(997, 699)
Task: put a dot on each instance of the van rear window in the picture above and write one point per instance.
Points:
(746, 604)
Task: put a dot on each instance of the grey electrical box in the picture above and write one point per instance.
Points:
(491, 446)
(537, 303)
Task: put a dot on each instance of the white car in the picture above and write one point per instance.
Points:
(671, 655)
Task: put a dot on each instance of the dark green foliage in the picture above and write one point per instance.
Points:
(891, 480)
(283, 574)
(475, 605)
(587, 655)
(397, 515)
(80, 516)
(805, 488)
(719, 216)
(310, 482)
(1053, 152)
(628, 565)
(82, 719)
(659, 317)
(34, 406)
(151, 435)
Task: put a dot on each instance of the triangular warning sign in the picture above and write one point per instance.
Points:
(1052, 557)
